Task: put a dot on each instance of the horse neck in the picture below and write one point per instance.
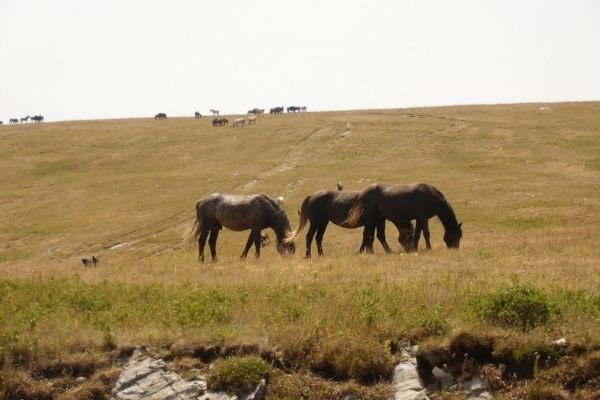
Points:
(281, 226)
(446, 215)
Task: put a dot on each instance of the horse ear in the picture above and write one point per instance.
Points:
(298, 212)
(460, 225)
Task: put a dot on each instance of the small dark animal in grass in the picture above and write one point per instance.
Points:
(335, 205)
(90, 261)
(239, 213)
(265, 240)
(402, 203)
(198, 115)
(160, 116)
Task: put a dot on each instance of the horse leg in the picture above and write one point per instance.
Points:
(202, 243)
(256, 235)
(426, 234)
(381, 235)
(368, 238)
(309, 238)
(320, 233)
(248, 244)
(212, 242)
(418, 229)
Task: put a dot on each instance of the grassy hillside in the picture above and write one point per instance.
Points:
(523, 179)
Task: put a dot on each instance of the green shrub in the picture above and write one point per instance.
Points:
(521, 306)
(239, 375)
(433, 322)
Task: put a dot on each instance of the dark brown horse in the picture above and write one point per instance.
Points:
(403, 203)
(334, 205)
(239, 213)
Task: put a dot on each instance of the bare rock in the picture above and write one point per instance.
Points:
(407, 384)
(144, 377)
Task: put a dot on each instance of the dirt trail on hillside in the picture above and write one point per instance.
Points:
(302, 153)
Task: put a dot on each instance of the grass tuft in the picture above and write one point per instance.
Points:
(239, 375)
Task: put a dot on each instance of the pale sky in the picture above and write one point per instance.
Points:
(87, 59)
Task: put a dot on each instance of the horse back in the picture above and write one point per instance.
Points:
(407, 202)
(331, 205)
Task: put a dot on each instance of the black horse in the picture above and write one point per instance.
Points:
(13, 121)
(276, 110)
(335, 205)
(37, 118)
(403, 203)
(160, 116)
(293, 109)
(239, 213)
(220, 122)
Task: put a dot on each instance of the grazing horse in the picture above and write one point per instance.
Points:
(334, 205)
(252, 120)
(276, 110)
(13, 121)
(160, 116)
(38, 118)
(239, 122)
(256, 111)
(220, 121)
(198, 115)
(25, 119)
(403, 203)
(293, 109)
(214, 112)
(239, 213)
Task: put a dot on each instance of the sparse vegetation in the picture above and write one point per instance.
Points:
(520, 305)
(238, 375)
(523, 183)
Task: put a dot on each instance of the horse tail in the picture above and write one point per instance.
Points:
(197, 227)
(354, 215)
(303, 218)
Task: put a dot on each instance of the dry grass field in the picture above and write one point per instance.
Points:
(523, 179)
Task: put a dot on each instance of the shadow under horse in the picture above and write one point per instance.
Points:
(334, 205)
(239, 213)
(401, 204)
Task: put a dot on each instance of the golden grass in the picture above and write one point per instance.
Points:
(522, 179)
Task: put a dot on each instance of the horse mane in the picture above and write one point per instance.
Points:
(446, 213)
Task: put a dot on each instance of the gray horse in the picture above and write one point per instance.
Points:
(239, 213)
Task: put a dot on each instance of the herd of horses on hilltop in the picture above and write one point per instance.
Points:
(25, 119)
(369, 208)
(241, 121)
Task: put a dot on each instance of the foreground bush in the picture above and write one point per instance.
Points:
(239, 375)
(521, 306)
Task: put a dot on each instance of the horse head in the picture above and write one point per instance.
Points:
(283, 230)
(452, 236)
(406, 237)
